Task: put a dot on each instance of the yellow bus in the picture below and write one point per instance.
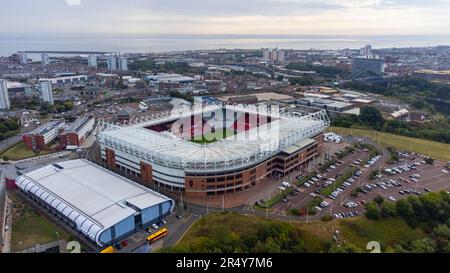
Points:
(157, 235)
(109, 249)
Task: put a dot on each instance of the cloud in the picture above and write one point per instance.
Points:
(73, 2)
(342, 17)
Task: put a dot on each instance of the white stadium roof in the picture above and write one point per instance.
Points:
(236, 151)
(93, 197)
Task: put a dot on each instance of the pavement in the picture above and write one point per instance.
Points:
(6, 244)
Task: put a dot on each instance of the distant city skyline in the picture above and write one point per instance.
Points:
(260, 17)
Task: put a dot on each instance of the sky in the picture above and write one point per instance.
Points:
(236, 17)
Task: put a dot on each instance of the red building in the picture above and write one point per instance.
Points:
(43, 135)
(76, 134)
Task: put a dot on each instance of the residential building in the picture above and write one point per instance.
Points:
(123, 64)
(92, 61)
(23, 58)
(4, 96)
(46, 91)
(112, 63)
(371, 65)
(45, 59)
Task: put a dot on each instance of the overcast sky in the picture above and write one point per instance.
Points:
(322, 17)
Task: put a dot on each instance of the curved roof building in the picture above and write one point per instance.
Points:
(100, 204)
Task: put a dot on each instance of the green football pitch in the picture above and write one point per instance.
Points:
(213, 137)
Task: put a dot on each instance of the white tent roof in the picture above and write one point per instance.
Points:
(245, 148)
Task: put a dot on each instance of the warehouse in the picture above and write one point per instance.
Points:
(102, 206)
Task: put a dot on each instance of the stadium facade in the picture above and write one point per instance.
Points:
(169, 150)
(100, 205)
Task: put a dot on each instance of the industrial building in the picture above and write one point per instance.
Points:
(100, 205)
(43, 135)
(76, 134)
(62, 80)
(262, 142)
(168, 78)
(330, 105)
(251, 99)
(18, 90)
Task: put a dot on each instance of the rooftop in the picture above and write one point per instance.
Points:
(232, 152)
(90, 191)
(41, 130)
(298, 146)
(79, 124)
(12, 85)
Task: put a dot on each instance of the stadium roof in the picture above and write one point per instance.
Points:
(94, 198)
(243, 149)
(298, 146)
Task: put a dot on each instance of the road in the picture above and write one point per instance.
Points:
(177, 233)
(15, 139)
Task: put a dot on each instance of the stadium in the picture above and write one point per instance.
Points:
(213, 149)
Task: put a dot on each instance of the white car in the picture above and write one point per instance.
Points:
(392, 199)
(154, 226)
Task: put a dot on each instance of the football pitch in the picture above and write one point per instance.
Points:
(213, 137)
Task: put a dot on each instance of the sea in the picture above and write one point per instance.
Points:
(10, 44)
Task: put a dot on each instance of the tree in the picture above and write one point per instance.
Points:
(372, 117)
(429, 160)
(405, 210)
(374, 174)
(372, 211)
(13, 124)
(3, 128)
(295, 211)
(425, 245)
(388, 209)
(271, 246)
(441, 231)
(379, 199)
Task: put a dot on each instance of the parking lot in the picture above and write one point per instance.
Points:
(341, 191)
(303, 195)
(414, 177)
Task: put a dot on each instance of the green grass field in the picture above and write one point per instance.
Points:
(213, 137)
(389, 231)
(19, 151)
(30, 229)
(314, 235)
(436, 150)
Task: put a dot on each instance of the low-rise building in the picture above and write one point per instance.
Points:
(100, 205)
(76, 134)
(43, 135)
